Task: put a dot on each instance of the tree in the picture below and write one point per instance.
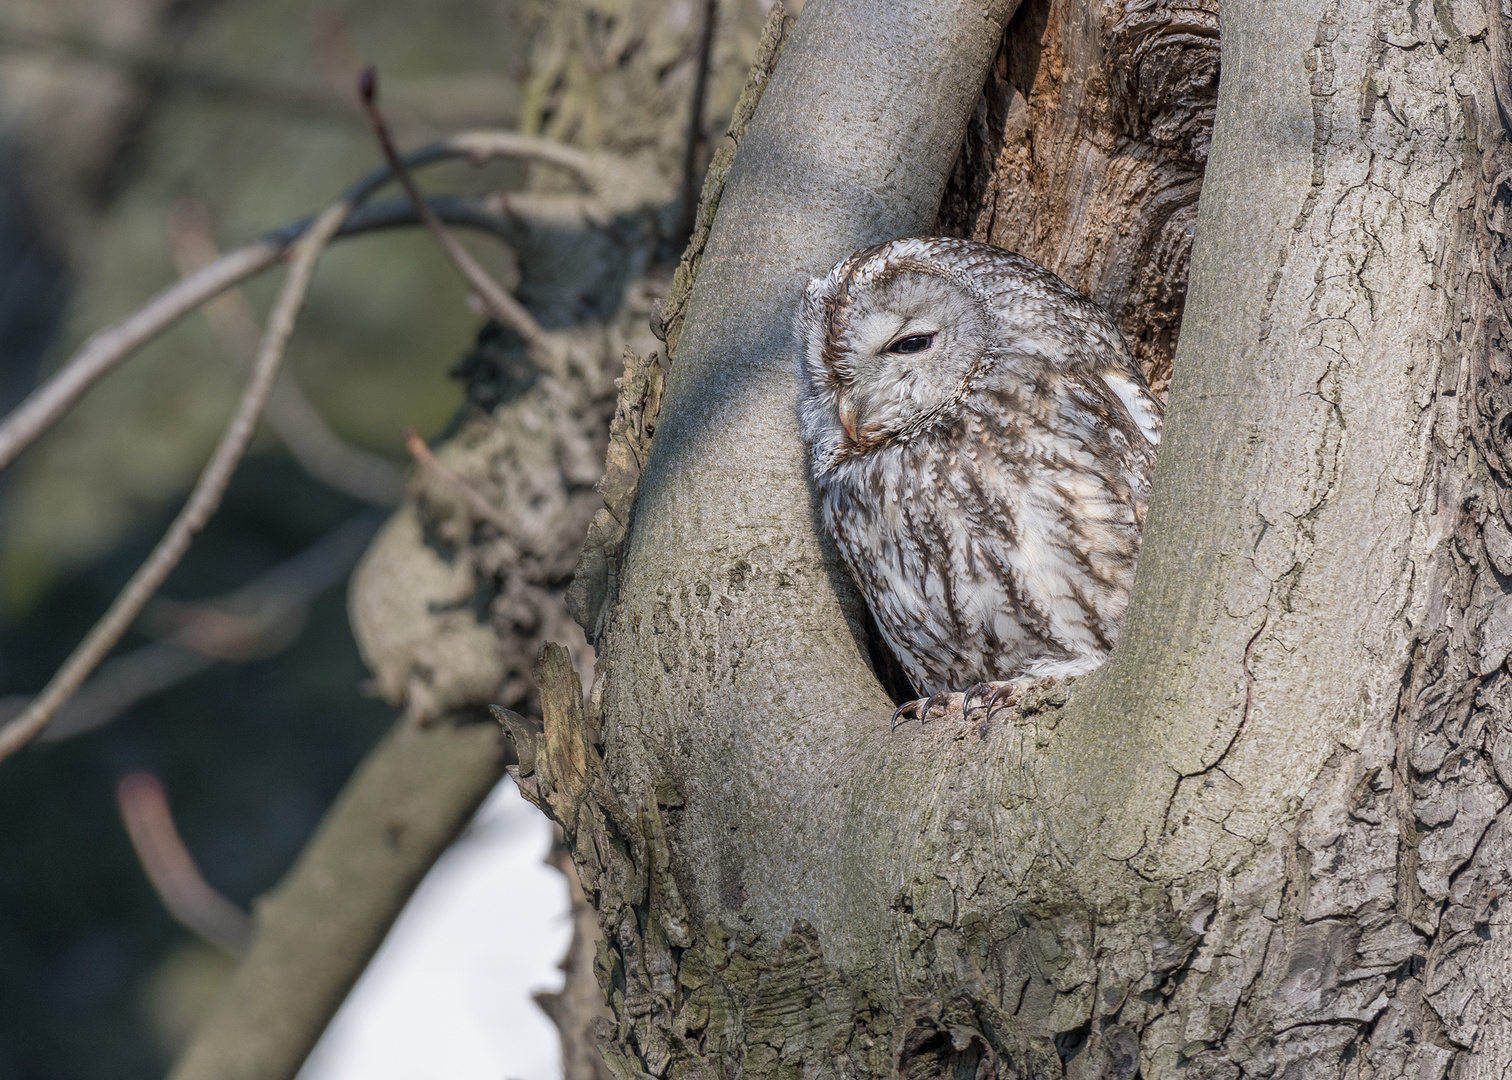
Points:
(1268, 836)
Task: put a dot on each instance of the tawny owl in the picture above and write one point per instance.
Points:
(982, 443)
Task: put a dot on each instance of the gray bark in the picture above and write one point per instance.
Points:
(1269, 837)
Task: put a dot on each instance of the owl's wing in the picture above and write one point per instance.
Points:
(1142, 406)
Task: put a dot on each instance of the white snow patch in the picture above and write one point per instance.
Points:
(449, 993)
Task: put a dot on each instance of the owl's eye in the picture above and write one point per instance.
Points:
(912, 344)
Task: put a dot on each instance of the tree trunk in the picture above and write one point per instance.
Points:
(1269, 836)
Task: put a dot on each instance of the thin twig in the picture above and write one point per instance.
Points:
(114, 343)
(202, 501)
(545, 350)
(178, 882)
(249, 622)
(120, 683)
(474, 499)
(318, 450)
(106, 348)
(697, 133)
(596, 171)
(260, 617)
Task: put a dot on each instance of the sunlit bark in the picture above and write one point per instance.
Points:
(1268, 836)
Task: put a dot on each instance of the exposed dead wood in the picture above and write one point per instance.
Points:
(1086, 154)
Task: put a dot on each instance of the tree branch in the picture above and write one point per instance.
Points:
(250, 621)
(202, 502)
(110, 346)
(479, 506)
(44, 405)
(316, 932)
(542, 348)
(184, 891)
(304, 432)
(159, 68)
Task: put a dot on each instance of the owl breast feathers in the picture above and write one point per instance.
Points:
(982, 443)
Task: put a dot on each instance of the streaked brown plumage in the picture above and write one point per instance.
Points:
(982, 442)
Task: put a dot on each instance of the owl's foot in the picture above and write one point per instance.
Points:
(995, 695)
(989, 695)
(922, 708)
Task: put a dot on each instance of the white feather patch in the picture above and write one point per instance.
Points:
(1144, 411)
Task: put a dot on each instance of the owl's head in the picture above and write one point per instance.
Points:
(889, 340)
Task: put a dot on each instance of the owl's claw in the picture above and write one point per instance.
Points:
(1012, 691)
(990, 696)
(906, 707)
(941, 699)
(919, 709)
(980, 689)
(992, 693)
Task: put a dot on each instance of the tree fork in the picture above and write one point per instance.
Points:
(1271, 835)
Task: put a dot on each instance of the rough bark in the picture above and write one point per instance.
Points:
(1269, 837)
(451, 611)
(578, 1009)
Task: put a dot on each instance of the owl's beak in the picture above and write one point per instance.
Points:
(847, 410)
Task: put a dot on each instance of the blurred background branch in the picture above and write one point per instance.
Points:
(163, 70)
(213, 276)
(318, 449)
(316, 931)
(171, 869)
(116, 115)
(201, 504)
(254, 621)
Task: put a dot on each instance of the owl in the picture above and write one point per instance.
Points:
(981, 442)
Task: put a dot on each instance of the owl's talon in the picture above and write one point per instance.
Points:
(942, 699)
(920, 708)
(907, 706)
(923, 709)
(977, 690)
(1008, 689)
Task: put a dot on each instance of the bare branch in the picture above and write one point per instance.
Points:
(596, 171)
(202, 501)
(121, 682)
(316, 931)
(157, 67)
(253, 621)
(545, 350)
(110, 346)
(178, 882)
(258, 618)
(317, 449)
